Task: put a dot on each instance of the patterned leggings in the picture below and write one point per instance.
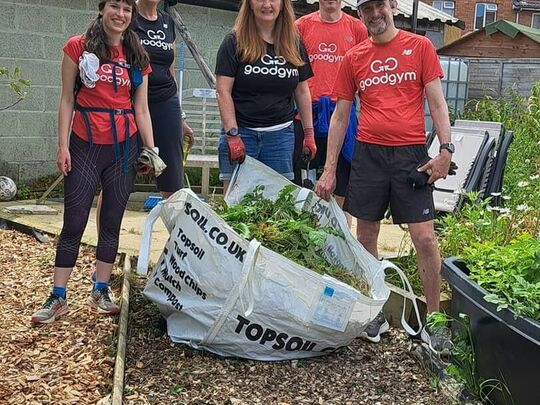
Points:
(90, 166)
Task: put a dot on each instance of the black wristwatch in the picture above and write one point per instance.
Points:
(448, 146)
(232, 132)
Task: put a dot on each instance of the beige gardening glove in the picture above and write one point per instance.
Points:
(149, 160)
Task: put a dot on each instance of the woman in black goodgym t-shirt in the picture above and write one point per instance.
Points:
(156, 31)
(262, 70)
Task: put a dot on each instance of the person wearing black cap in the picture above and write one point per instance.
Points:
(391, 73)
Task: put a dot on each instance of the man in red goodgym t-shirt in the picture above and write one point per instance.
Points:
(327, 35)
(391, 72)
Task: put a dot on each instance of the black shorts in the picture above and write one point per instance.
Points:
(379, 179)
(167, 128)
(343, 169)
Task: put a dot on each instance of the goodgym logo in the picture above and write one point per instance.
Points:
(330, 48)
(326, 52)
(156, 39)
(388, 65)
(273, 60)
(105, 74)
(273, 66)
(385, 72)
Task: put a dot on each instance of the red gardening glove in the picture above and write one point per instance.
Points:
(309, 147)
(237, 150)
(142, 170)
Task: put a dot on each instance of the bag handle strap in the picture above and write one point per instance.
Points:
(236, 293)
(146, 240)
(408, 294)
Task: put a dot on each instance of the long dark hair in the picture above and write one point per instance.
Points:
(95, 40)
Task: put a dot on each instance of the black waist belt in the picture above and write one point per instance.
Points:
(112, 112)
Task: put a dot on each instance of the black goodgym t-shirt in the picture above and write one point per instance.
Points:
(263, 92)
(158, 38)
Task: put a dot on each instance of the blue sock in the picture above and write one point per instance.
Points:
(99, 285)
(60, 291)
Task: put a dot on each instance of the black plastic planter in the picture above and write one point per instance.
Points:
(507, 347)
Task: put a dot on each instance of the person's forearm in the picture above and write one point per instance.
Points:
(227, 111)
(65, 116)
(438, 110)
(336, 136)
(441, 123)
(144, 124)
(302, 98)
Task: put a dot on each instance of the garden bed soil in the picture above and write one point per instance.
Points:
(159, 371)
(68, 361)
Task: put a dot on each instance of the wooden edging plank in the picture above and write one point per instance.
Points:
(448, 386)
(119, 364)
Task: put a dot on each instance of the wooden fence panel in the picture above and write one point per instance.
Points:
(491, 76)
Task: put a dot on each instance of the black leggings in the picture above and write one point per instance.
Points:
(90, 166)
(167, 127)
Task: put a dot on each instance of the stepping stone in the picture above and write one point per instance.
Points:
(31, 209)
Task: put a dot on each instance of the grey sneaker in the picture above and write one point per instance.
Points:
(103, 302)
(376, 328)
(53, 308)
(438, 340)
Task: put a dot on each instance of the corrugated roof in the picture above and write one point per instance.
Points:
(506, 27)
(512, 29)
(527, 4)
(405, 8)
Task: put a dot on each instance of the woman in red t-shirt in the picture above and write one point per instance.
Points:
(104, 104)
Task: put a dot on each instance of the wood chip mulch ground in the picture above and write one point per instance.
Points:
(161, 372)
(69, 361)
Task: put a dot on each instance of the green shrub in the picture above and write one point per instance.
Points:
(35, 188)
(16, 82)
(501, 244)
(510, 273)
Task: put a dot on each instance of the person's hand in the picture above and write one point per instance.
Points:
(309, 148)
(186, 130)
(326, 185)
(237, 150)
(438, 167)
(63, 160)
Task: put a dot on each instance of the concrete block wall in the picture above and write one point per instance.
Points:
(32, 34)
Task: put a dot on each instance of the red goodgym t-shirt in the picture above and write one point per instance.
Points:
(390, 80)
(103, 95)
(326, 44)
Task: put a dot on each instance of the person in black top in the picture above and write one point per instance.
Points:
(262, 69)
(156, 31)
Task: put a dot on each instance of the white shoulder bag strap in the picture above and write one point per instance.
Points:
(146, 240)
(236, 293)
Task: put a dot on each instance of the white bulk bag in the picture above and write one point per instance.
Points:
(234, 297)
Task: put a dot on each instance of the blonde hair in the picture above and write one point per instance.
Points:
(252, 47)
